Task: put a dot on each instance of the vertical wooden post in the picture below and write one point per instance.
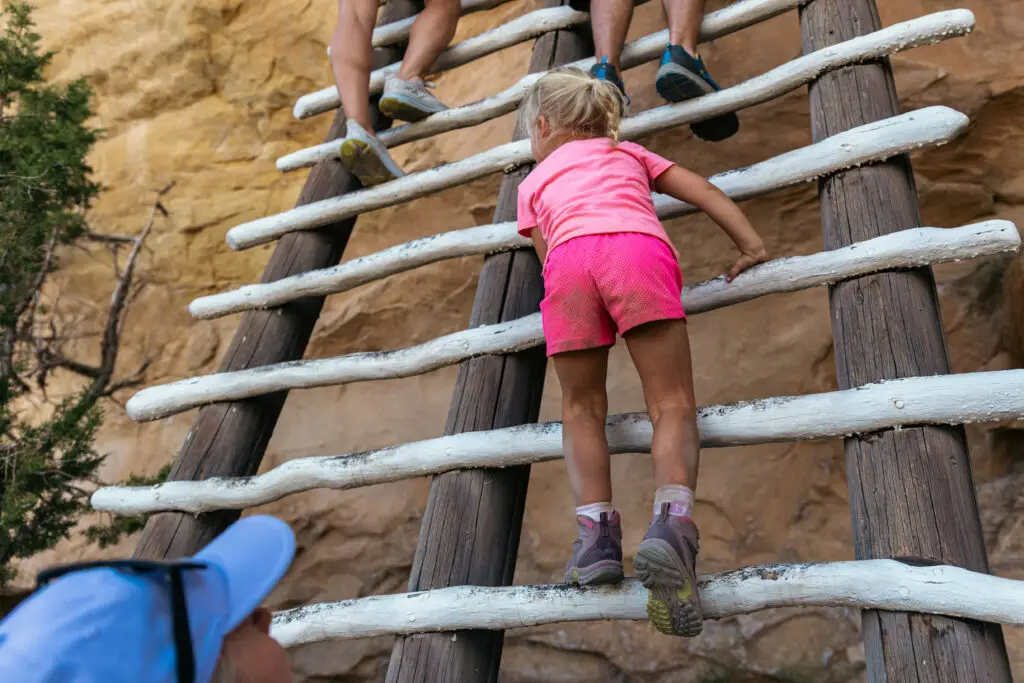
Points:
(470, 530)
(229, 439)
(911, 490)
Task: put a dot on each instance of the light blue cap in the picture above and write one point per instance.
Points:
(106, 626)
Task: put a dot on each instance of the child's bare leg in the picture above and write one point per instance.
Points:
(666, 560)
(661, 353)
(582, 376)
(597, 553)
(352, 57)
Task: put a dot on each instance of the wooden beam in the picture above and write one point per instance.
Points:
(470, 530)
(911, 491)
(734, 17)
(864, 144)
(782, 79)
(518, 30)
(878, 584)
(774, 277)
(943, 399)
(229, 439)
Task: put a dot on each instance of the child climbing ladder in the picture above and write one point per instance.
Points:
(610, 267)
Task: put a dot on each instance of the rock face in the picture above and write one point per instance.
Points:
(200, 92)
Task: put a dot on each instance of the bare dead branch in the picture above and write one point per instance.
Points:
(111, 332)
(110, 239)
(134, 380)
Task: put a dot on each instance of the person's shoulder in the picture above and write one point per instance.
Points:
(636, 150)
(632, 147)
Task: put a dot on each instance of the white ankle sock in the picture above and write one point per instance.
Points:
(679, 498)
(353, 129)
(594, 510)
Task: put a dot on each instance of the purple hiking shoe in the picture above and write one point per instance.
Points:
(665, 563)
(597, 553)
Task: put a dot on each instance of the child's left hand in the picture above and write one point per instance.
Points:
(748, 257)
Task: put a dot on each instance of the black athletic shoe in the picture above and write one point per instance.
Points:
(604, 71)
(682, 77)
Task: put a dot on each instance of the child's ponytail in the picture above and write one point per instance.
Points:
(575, 104)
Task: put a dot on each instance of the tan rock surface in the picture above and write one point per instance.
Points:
(200, 92)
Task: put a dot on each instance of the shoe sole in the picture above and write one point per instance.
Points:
(358, 157)
(401, 108)
(598, 573)
(671, 595)
(678, 84)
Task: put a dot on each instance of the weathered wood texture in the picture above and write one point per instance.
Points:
(471, 526)
(911, 490)
(229, 439)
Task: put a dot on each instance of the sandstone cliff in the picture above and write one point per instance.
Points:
(200, 92)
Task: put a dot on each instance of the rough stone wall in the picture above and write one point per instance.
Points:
(200, 92)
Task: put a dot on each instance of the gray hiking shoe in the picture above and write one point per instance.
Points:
(597, 553)
(408, 100)
(665, 563)
(367, 158)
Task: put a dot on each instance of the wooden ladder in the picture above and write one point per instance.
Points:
(931, 612)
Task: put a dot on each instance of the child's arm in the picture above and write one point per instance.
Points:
(539, 244)
(687, 186)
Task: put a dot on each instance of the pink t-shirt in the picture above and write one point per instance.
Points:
(592, 187)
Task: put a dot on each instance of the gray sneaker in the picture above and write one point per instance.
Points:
(665, 563)
(408, 100)
(367, 158)
(597, 553)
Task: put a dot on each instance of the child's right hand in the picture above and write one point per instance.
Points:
(755, 253)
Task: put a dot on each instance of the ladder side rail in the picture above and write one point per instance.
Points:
(911, 491)
(471, 525)
(230, 439)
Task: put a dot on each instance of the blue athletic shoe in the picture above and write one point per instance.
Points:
(683, 77)
(604, 71)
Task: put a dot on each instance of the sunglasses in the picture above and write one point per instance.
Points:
(169, 574)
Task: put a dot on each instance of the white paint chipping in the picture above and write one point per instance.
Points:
(777, 82)
(735, 17)
(949, 399)
(919, 247)
(520, 29)
(398, 31)
(867, 584)
(872, 142)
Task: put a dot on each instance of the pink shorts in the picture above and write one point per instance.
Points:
(597, 285)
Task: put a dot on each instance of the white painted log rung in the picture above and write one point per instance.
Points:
(891, 251)
(864, 144)
(778, 81)
(866, 584)
(734, 17)
(520, 29)
(947, 399)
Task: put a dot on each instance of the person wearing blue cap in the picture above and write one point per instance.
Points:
(196, 620)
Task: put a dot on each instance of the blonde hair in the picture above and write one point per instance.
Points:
(575, 104)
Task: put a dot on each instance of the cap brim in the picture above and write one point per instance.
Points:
(254, 553)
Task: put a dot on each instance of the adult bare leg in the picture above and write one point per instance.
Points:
(684, 20)
(352, 57)
(610, 21)
(431, 33)
(683, 75)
